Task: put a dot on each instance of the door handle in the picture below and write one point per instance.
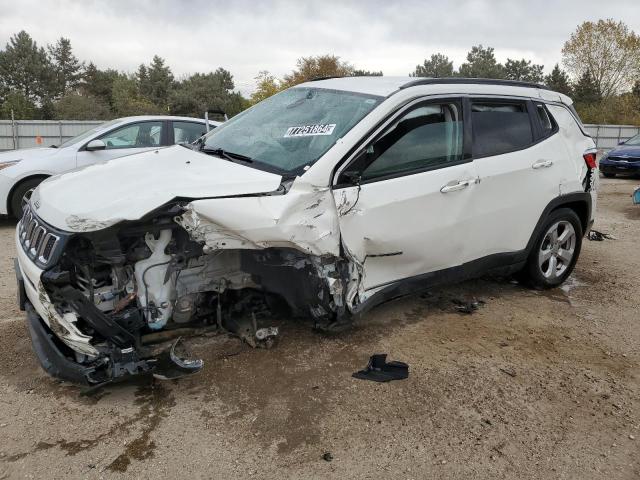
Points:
(542, 164)
(455, 185)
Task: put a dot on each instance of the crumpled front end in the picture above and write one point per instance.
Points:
(114, 301)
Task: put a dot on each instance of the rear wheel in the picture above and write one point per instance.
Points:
(21, 195)
(556, 250)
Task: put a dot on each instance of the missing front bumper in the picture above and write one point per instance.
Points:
(116, 366)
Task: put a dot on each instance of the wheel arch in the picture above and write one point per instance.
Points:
(42, 176)
(579, 202)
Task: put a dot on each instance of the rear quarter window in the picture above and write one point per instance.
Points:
(500, 127)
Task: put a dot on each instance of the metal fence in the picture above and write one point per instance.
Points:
(609, 136)
(40, 133)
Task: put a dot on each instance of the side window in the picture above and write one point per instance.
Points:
(500, 127)
(428, 136)
(188, 132)
(547, 123)
(135, 135)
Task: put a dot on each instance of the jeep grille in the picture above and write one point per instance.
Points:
(36, 237)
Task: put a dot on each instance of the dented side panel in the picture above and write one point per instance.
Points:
(402, 227)
(305, 219)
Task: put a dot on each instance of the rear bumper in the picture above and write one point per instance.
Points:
(629, 168)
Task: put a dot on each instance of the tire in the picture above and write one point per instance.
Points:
(21, 191)
(539, 272)
(609, 175)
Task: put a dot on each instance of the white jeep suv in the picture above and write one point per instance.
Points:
(321, 201)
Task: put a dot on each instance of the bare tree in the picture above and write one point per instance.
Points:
(608, 50)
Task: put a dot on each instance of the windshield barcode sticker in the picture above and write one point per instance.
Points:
(310, 130)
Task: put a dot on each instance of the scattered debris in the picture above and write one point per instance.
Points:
(327, 456)
(509, 371)
(170, 366)
(467, 307)
(378, 370)
(632, 437)
(597, 236)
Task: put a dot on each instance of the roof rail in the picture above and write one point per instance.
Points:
(317, 79)
(476, 81)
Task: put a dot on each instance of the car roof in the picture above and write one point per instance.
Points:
(386, 86)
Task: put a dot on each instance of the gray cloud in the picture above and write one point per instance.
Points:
(247, 36)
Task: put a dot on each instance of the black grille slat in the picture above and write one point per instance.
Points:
(38, 241)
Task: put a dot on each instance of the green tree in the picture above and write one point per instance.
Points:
(25, 68)
(81, 107)
(558, 81)
(67, 68)
(523, 70)
(99, 83)
(635, 91)
(23, 108)
(211, 91)
(438, 66)
(127, 99)
(309, 68)
(266, 86)
(481, 63)
(586, 90)
(144, 85)
(160, 83)
(608, 50)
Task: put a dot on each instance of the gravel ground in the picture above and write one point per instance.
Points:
(532, 385)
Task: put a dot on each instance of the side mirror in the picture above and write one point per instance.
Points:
(621, 143)
(94, 145)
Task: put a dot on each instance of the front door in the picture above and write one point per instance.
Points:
(132, 138)
(404, 199)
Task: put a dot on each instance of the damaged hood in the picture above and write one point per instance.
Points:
(127, 188)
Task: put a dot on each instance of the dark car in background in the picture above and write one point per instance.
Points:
(622, 160)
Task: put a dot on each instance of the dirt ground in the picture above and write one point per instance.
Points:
(532, 385)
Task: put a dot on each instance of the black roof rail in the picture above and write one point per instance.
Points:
(473, 81)
(317, 79)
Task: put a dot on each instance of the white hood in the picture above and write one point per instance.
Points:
(127, 188)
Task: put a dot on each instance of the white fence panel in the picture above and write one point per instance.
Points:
(41, 133)
(609, 136)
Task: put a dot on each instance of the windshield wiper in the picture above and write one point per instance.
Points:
(228, 155)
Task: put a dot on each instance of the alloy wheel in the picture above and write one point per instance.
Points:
(557, 250)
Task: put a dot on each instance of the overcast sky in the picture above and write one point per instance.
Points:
(246, 37)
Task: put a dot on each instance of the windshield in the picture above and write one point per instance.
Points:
(88, 133)
(633, 141)
(291, 130)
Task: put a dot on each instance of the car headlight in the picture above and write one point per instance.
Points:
(10, 163)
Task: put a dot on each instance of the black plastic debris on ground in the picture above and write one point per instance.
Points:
(467, 307)
(596, 236)
(379, 370)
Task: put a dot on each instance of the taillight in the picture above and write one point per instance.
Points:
(590, 159)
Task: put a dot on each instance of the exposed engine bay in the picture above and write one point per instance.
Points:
(133, 286)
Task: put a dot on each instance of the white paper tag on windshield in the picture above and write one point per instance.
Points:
(310, 130)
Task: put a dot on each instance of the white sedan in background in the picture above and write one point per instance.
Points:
(22, 170)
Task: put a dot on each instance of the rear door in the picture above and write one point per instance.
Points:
(519, 164)
(184, 131)
(136, 137)
(404, 197)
